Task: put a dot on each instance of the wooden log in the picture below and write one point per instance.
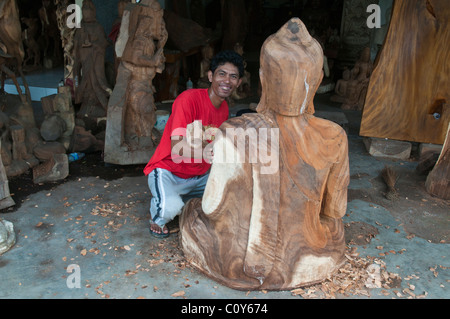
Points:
(53, 128)
(438, 181)
(47, 104)
(19, 149)
(408, 95)
(22, 159)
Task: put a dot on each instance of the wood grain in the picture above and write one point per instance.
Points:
(411, 79)
(438, 181)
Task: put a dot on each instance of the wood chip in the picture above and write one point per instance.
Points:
(180, 293)
(351, 279)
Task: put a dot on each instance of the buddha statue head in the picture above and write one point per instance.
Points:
(291, 64)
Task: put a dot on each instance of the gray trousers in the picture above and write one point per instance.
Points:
(170, 193)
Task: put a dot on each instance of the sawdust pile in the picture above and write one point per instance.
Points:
(355, 278)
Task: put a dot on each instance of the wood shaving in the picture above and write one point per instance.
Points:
(355, 278)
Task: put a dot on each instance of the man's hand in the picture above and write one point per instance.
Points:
(208, 152)
(182, 147)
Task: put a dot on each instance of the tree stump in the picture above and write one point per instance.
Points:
(19, 150)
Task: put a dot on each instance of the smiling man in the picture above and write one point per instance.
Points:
(179, 169)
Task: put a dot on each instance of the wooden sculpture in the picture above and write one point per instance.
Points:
(18, 134)
(6, 200)
(11, 48)
(18, 157)
(131, 109)
(408, 95)
(244, 90)
(438, 180)
(59, 118)
(29, 37)
(351, 90)
(207, 55)
(67, 43)
(56, 130)
(50, 33)
(6, 59)
(91, 87)
(115, 30)
(271, 218)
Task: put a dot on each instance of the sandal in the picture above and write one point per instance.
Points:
(162, 234)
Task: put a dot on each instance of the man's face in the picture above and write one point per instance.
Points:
(224, 80)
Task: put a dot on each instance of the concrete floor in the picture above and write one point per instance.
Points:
(96, 228)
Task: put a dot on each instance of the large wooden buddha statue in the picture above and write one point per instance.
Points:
(272, 217)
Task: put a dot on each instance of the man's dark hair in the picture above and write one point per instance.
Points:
(228, 56)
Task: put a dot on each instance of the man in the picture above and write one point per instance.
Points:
(179, 169)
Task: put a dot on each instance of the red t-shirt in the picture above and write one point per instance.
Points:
(191, 105)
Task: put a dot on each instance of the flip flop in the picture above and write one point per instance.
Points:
(161, 234)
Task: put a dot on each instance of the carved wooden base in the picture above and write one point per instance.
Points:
(218, 251)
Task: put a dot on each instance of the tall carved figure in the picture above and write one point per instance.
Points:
(11, 47)
(131, 109)
(67, 35)
(50, 33)
(91, 87)
(207, 55)
(271, 218)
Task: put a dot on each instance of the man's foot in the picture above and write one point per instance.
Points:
(157, 232)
